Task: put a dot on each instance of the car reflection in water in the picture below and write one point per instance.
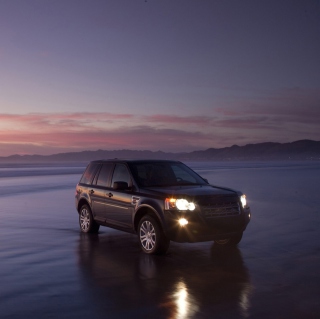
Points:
(191, 281)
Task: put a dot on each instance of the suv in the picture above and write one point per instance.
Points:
(160, 201)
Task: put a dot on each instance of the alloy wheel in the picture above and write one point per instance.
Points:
(147, 235)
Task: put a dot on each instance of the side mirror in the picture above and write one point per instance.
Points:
(120, 185)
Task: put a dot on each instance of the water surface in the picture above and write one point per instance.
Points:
(49, 269)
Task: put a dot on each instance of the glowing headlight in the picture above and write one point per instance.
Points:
(183, 222)
(243, 201)
(180, 204)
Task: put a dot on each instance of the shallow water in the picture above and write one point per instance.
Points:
(48, 269)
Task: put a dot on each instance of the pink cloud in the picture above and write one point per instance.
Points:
(122, 138)
(169, 119)
(296, 104)
(57, 132)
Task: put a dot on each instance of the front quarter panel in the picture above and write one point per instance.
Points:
(153, 204)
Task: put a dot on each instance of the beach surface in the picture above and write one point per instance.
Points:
(48, 269)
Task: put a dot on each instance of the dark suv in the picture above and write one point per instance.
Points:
(160, 201)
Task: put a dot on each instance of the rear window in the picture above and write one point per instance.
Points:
(89, 173)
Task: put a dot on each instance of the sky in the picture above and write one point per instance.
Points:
(169, 75)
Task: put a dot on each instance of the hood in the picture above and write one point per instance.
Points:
(191, 190)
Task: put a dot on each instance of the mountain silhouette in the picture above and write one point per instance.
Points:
(298, 150)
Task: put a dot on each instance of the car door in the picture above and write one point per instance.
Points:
(119, 208)
(99, 191)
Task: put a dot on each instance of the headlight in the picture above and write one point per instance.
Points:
(180, 204)
(243, 201)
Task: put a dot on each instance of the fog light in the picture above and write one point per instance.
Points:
(183, 222)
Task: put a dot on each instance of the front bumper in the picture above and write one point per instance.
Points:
(201, 229)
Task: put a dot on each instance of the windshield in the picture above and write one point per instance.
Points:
(157, 174)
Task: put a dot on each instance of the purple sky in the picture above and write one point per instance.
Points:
(171, 75)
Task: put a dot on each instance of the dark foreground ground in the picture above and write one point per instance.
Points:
(49, 270)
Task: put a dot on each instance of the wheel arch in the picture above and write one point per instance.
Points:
(82, 201)
(146, 210)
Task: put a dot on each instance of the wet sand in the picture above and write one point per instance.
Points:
(48, 269)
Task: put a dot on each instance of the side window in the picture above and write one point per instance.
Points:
(104, 174)
(121, 174)
(89, 173)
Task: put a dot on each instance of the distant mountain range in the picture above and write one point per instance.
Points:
(299, 150)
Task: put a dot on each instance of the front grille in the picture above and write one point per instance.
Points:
(221, 209)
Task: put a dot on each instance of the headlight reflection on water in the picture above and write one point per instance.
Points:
(244, 300)
(185, 304)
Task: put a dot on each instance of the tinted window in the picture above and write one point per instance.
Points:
(121, 174)
(104, 174)
(182, 175)
(155, 174)
(164, 174)
(89, 173)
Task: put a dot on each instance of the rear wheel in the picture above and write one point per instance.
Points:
(86, 221)
(151, 237)
(231, 241)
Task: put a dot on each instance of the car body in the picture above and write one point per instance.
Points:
(160, 200)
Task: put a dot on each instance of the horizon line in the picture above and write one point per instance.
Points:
(145, 150)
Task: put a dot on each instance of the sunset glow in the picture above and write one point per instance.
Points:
(48, 133)
(169, 76)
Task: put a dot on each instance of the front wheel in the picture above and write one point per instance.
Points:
(151, 237)
(231, 241)
(86, 221)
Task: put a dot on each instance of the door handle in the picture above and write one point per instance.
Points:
(110, 194)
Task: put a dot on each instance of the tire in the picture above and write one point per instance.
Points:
(86, 221)
(151, 237)
(232, 241)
